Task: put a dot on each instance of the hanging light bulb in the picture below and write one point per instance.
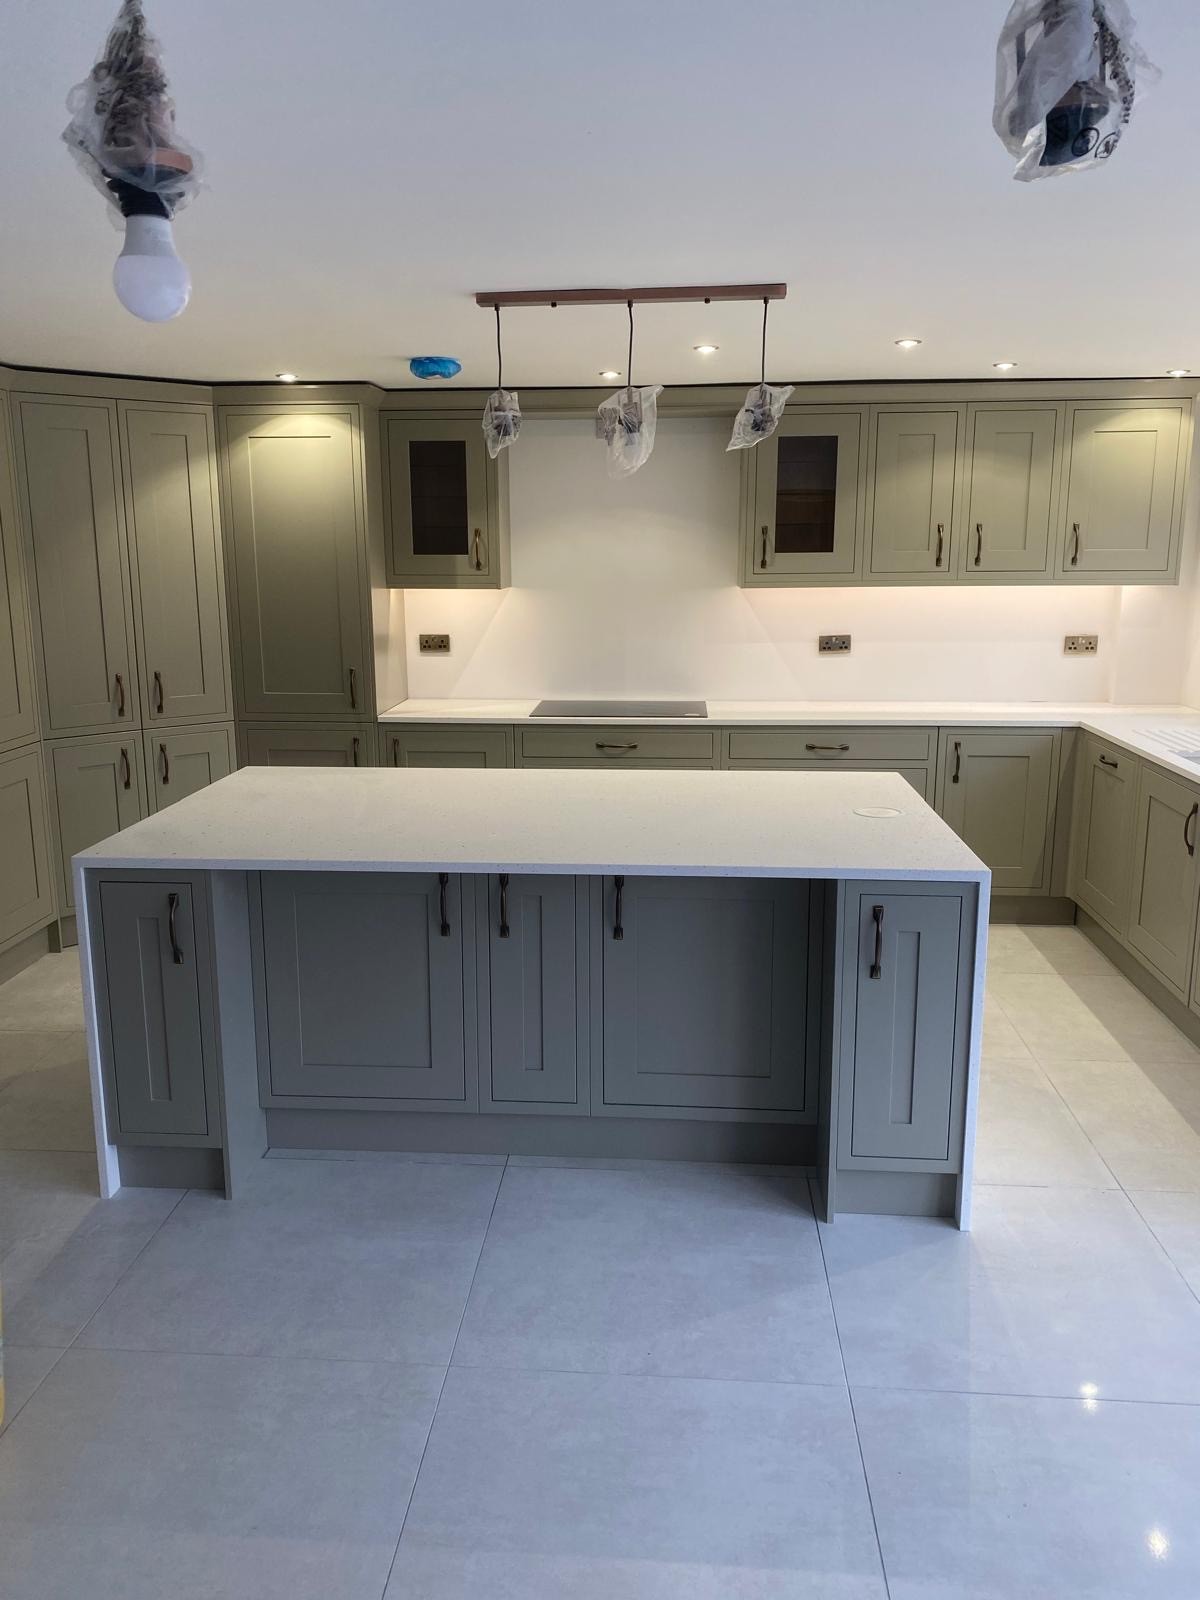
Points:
(150, 279)
(763, 405)
(502, 413)
(628, 419)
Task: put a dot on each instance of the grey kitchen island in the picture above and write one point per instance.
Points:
(751, 966)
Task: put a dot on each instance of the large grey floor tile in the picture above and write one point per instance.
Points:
(1010, 949)
(44, 1195)
(1001, 1041)
(46, 995)
(362, 1260)
(540, 1485)
(1174, 1220)
(1052, 1020)
(1052, 1289)
(687, 1272)
(1137, 1025)
(1027, 1135)
(52, 1285)
(48, 1106)
(20, 1052)
(985, 1497)
(1068, 951)
(1144, 1120)
(24, 1369)
(134, 1477)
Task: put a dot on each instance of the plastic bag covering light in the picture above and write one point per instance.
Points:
(122, 135)
(760, 414)
(626, 422)
(434, 367)
(1067, 76)
(501, 420)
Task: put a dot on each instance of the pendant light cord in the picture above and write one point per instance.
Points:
(629, 362)
(763, 369)
(499, 354)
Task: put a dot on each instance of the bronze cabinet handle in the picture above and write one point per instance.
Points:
(957, 761)
(443, 911)
(158, 693)
(941, 544)
(120, 692)
(1107, 761)
(172, 909)
(763, 560)
(877, 964)
(842, 747)
(504, 928)
(1075, 547)
(978, 543)
(353, 689)
(1188, 836)
(476, 551)
(601, 745)
(126, 771)
(164, 762)
(354, 751)
(395, 751)
(618, 908)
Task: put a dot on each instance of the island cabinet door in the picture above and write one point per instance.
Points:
(364, 986)
(528, 989)
(707, 995)
(1162, 901)
(906, 1003)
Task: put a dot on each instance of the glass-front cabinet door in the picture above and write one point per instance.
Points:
(441, 503)
(804, 498)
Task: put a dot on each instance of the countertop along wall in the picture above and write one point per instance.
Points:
(630, 588)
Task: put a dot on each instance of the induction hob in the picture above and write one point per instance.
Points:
(620, 708)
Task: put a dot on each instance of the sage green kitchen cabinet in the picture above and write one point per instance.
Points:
(308, 747)
(97, 787)
(909, 751)
(296, 525)
(1011, 466)
(996, 789)
(530, 1020)
(181, 761)
(445, 504)
(1124, 491)
(364, 987)
(176, 560)
(914, 475)
(451, 746)
(905, 1016)
(1164, 883)
(604, 745)
(18, 712)
(1102, 832)
(69, 475)
(703, 996)
(26, 888)
(154, 1008)
(804, 500)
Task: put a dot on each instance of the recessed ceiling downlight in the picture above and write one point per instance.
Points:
(1004, 366)
(705, 349)
(286, 377)
(907, 344)
(610, 375)
(1179, 372)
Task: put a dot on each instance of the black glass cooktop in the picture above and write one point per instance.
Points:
(620, 708)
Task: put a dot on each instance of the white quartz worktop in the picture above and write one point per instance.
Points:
(691, 823)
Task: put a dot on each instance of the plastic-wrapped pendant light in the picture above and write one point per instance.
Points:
(502, 413)
(627, 420)
(762, 407)
(122, 134)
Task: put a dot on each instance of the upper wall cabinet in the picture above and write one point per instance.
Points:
(445, 505)
(806, 510)
(18, 716)
(176, 560)
(914, 475)
(296, 525)
(1124, 492)
(79, 581)
(1012, 455)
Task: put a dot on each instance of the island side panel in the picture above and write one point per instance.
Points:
(108, 1166)
(964, 1197)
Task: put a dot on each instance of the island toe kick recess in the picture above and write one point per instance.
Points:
(373, 1002)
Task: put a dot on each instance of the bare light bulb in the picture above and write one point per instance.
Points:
(150, 279)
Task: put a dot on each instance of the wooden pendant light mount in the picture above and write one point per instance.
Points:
(618, 297)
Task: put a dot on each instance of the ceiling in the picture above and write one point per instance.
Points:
(372, 164)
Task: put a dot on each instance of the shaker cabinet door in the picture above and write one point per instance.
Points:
(182, 761)
(1011, 492)
(26, 890)
(1163, 894)
(1102, 832)
(439, 488)
(807, 509)
(1123, 491)
(912, 507)
(997, 793)
(18, 714)
(97, 789)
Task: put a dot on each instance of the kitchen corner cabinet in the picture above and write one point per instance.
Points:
(97, 787)
(175, 553)
(1165, 878)
(454, 745)
(445, 504)
(997, 791)
(26, 890)
(308, 747)
(804, 501)
(1102, 832)
(68, 471)
(181, 761)
(296, 525)
(914, 493)
(1012, 460)
(1124, 491)
(18, 713)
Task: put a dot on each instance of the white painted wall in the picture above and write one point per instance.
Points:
(630, 588)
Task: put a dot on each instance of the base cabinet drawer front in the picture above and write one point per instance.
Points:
(26, 890)
(1163, 893)
(528, 992)
(445, 747)
(155, 938)
(600, 746)
(97, 788)
(906, 996)
(706, 999)
(1124, 490)
(828, 747)
(915, 467)
(1010, 493)
(308, 747)
(183, 763)
(364, 986)
(1102, 832)
(996, 791)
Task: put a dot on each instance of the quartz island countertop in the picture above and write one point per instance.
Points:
(688, 823)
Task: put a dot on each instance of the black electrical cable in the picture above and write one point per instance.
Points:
(629, 362)
(763, 371)
(499, 355)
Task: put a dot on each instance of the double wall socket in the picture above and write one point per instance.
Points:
(833, 644)
(1081, 644)
(437, 644)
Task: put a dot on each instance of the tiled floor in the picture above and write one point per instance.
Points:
(437, 1378)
